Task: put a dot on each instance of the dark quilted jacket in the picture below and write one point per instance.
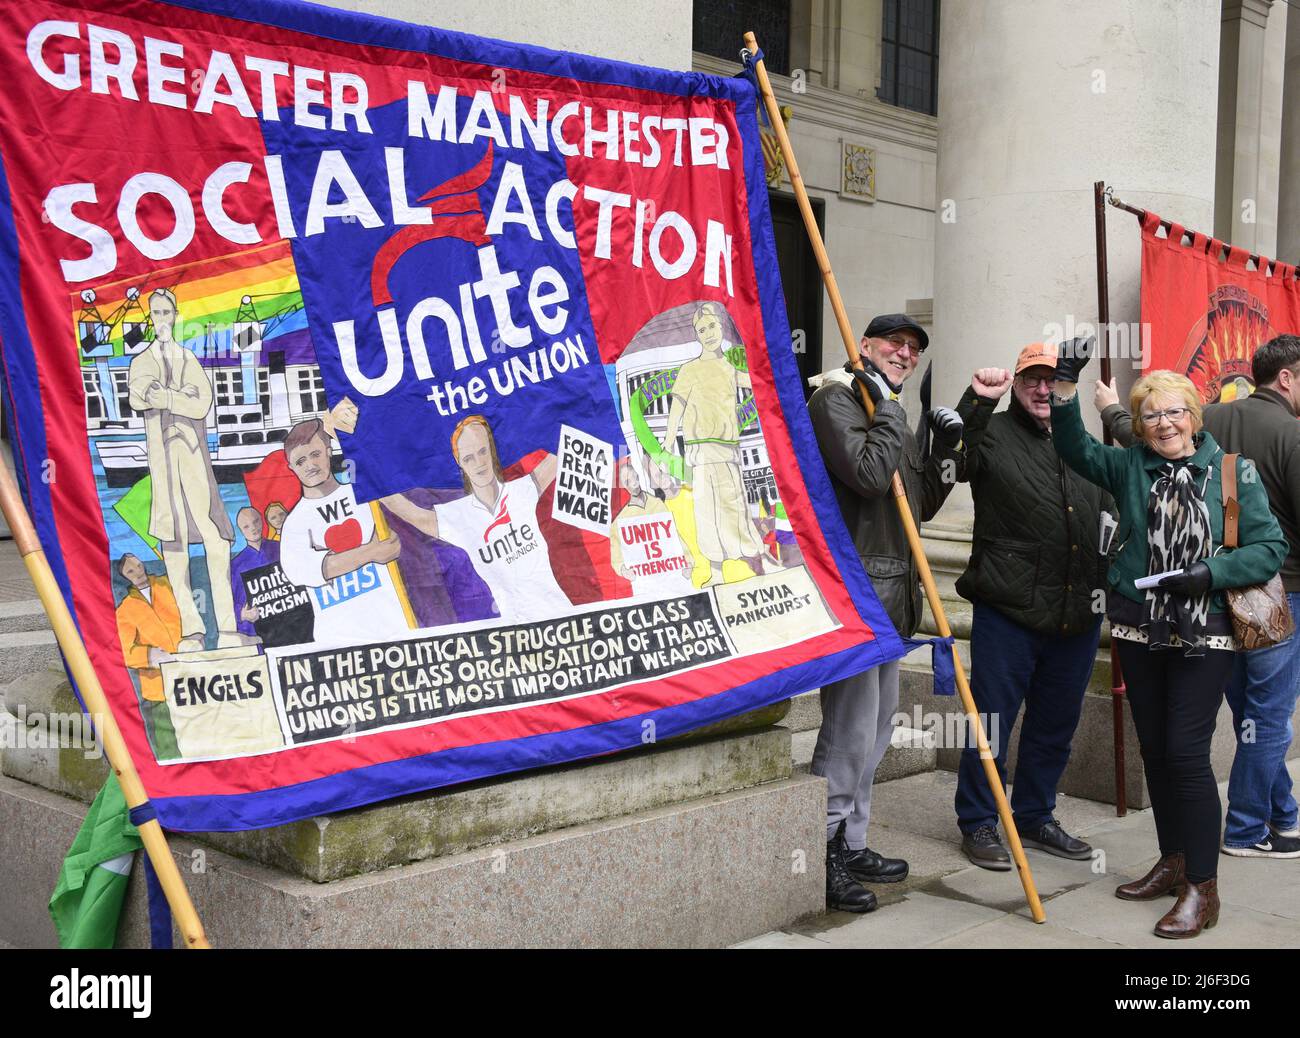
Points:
(1034, 557)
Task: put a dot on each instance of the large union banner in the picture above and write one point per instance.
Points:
(1208, 307)
(400, 408)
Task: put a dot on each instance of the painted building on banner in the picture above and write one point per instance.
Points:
(260, 363)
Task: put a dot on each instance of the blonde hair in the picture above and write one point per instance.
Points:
(1163, 383)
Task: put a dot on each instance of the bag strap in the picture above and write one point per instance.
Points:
(1231, 508)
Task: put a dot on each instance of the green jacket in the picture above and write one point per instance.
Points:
(1129, 472)
(1263, 428)
(1034, 552)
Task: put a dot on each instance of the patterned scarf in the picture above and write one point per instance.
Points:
(1178, 535)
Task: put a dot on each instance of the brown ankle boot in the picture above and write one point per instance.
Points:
(1196, 910)
(1165, 877)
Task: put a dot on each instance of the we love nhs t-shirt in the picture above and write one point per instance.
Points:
(352, 606)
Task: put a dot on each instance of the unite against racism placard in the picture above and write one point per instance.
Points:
(399, 408)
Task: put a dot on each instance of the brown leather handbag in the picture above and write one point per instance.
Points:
(1261, 615)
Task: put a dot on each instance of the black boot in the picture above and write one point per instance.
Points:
(843, 892)
(866, 866)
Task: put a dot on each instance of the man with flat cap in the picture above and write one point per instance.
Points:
(1036, 576)
(862, 455)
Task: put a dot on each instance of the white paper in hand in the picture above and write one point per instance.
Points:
(1145, 583)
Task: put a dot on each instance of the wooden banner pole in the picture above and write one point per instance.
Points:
(92, 695)
(900, 496)
(1117, 688)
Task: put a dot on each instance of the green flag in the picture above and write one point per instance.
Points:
(134, 506)
(87, 901)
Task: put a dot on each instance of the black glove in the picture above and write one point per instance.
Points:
(947, 426)
(876, 386)
(1193, 582)
(1073, 356)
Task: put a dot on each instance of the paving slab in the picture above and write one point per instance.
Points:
(1129, 844)
(923, 804)
(928, 858)
(918, 920)
(1052, 876)
(1095, 911)
(1011, 932)
(782, 941)
(1272, 887)
(948, 903)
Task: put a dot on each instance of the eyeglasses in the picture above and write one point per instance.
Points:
(901, 343)
(1174, 414)
(1034, 381)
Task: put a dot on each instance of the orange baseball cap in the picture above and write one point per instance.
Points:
(1037, 355)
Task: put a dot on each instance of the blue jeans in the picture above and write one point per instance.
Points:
(1262, 695)
(1048, 674)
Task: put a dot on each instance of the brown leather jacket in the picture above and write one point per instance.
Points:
(861, 457)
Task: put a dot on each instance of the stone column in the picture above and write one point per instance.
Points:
(1250, 123)
(1288, 218)
(1037, 101)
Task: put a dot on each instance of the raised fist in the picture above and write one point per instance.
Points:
(991, 383)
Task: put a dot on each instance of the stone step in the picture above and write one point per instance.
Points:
(45, 691)
(23, 615)
(910, 752)
(75, 767)
(706, 763)
(916, 688)
(805, 712)
(916, 682)
(23, 652)
(450, 821)
(710, 872)
(960, 613)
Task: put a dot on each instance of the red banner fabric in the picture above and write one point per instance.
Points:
(1207, 306)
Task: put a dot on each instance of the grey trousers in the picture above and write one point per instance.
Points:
(857, 716)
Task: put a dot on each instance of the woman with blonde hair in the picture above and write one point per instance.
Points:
(1174, 639)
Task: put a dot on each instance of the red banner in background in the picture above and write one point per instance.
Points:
(1208, 307)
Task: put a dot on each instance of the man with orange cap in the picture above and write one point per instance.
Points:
(1036, 574)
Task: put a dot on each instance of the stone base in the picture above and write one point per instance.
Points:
(462, 818)
(707, 873)
(698, 841)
